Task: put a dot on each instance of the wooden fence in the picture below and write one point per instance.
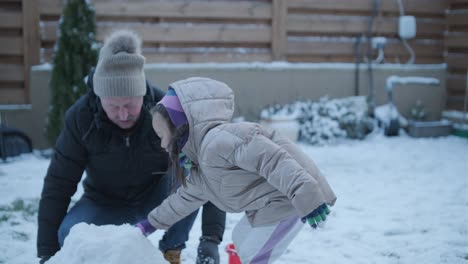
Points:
(327, 30)
(259, 30)
(456, 56)
(19, 49)
(226, 31)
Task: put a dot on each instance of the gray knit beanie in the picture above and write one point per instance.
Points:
(119, 71)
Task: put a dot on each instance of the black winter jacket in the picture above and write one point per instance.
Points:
(122, 167)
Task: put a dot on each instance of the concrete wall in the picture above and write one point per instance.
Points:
(259, 84)
(33, 121)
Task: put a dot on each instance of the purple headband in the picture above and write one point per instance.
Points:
(174, 109)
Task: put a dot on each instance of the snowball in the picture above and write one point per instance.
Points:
(108, 244)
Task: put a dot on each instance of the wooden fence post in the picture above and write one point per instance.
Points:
(279, 29)
(31, 41)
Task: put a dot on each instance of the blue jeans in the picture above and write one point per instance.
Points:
(91, 212)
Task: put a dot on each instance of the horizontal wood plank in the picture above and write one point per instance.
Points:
(350, 59)
(319, 58)
(12, 95)
(456, 83)
(455, 101)
(451, 2)
(457, 60)
(186, 9)
(11, 45)
(347, 48)
(221, 57)
(182, 57)
(456, 40)
(170, 33)
(50, 7)
(411, 7)
(454, 105)
(457, 19)
(11, 72)
(10, 19)
(327, 24)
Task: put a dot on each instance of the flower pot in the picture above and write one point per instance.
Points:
(288, 127)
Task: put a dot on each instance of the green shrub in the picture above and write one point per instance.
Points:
(74, 54)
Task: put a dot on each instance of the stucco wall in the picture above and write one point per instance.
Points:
(259, 84)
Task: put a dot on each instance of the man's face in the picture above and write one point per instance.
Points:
(122, 110)
(163, 130)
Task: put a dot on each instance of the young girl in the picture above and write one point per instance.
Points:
(239, 167)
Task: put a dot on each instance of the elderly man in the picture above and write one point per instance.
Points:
(108, 133)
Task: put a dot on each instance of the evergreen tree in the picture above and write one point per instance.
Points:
(74, 55)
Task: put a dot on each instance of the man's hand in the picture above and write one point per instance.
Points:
(207, 252)
(145, 227)
(317, 217)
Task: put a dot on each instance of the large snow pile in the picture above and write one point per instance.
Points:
(108, 244)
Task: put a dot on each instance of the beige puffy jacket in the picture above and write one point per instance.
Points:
(243, 167)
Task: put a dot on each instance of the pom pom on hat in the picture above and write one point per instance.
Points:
(119, 71)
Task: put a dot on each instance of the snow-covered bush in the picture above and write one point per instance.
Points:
(74, 54)
(327, 120)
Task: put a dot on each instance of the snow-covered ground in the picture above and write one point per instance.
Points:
(400, 200)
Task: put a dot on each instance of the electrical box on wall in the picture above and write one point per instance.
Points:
(407, 27)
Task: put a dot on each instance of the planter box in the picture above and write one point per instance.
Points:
(429, 129)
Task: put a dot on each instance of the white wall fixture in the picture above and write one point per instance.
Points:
(407, 27)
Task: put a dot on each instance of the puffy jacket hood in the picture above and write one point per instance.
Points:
(207, 103)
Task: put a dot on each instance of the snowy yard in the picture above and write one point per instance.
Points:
(400, 200)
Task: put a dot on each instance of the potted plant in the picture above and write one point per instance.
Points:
(282, 119)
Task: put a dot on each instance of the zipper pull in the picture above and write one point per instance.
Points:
(127, 141)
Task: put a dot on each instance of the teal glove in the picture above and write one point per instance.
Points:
(317, 216)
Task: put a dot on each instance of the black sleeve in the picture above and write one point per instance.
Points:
(64, 173)
(213, 221)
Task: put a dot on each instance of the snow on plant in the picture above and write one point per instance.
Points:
(327, 120)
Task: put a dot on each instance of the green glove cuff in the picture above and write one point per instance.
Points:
(318, 216)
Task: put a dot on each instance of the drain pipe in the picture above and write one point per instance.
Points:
(357, 60)
(371, 98)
